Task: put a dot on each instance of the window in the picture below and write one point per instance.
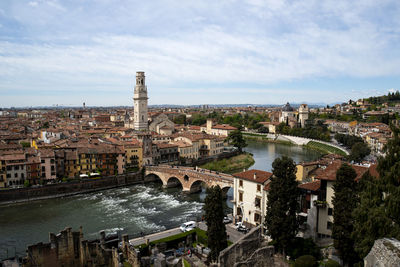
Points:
(330, 211)
(329, 225)
(240, 196)
(241, 183)
(257, 218)
(16, 175)
(16, 167)
(257, 202)
(258, 188)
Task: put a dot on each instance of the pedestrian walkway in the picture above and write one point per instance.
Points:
(152, 237)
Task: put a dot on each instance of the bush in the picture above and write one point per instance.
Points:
(331, 263)
(306, 261)
(301, 246)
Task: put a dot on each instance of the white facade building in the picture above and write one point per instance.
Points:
(250, 196)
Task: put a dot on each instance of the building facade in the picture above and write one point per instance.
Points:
(250, 196)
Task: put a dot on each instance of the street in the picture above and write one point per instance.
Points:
(232, 233)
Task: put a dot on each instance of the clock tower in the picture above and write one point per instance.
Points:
(140, 103)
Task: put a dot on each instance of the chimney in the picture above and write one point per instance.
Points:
(255, 176)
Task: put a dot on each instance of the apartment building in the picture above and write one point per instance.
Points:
(250, 196)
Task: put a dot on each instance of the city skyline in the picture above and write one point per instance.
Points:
(229, 52)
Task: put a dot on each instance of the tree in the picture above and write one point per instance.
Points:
(370, 222)
(214, 215)
(344, 202)
(236, 139)
(281, 219)
(27, 183)
(359, 151)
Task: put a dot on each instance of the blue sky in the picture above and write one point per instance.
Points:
(197, 52)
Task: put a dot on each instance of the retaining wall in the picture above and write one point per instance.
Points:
(65, 189)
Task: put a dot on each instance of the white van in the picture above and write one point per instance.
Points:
(188, 226)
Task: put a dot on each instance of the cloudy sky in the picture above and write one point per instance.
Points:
(197, 52)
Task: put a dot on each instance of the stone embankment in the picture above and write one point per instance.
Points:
(18, 195)
(301, 141)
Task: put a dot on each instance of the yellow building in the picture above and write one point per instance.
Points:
(87, 161)
(72, 167)
(303, 170)
(133, 155)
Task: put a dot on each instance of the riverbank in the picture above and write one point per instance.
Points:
(317, 145)
(21, 195)
(230, 165)
(324, 148)
(265, 139)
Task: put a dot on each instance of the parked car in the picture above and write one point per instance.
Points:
(227, 220)
(241, 228)
(188, 226)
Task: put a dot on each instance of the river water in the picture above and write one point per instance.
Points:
(134, 209)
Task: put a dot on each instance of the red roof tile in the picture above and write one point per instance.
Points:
(256, 176)
(312, 186)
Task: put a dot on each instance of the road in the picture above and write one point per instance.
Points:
(230, 231)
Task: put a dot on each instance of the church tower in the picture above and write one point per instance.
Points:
(140, 103)
(303, 115)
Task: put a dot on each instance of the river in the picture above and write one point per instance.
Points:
(134, 209)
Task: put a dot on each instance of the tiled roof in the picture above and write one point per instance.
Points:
(330, 172)
(312, 186)
(256, 176)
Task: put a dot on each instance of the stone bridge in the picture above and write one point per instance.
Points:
(191, 178)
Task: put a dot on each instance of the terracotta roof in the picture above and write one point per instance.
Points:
(181, 143)
(165, 145)
(224, 127)
(256, 176)
(330, 172)
(373, 171)
(312, 186)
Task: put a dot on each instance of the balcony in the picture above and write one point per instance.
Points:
(320, 203)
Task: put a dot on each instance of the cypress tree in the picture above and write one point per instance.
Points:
(344, 202)
(281, 219)
(377, 214)
(389, 171)
(214, 215)
(370, 221)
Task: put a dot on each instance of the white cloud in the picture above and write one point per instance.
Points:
(33, 3)
(197, 44)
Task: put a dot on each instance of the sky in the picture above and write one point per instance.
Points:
(67, 52)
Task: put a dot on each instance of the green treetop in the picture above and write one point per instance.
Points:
(281, 219)
(344, 202)
(214, 215)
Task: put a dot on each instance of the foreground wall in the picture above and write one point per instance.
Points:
(68, 249)
(250, 250)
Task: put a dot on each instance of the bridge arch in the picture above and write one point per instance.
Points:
(173, 182)
(196, 186)
(153, 177)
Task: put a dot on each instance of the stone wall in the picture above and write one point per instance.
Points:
(385, 252)
(65, 189)
(68, 249)
(250, 250)
(130, 254)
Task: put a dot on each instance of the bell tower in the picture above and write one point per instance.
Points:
(140, 103)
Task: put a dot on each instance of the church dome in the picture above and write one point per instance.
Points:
(287, 107)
